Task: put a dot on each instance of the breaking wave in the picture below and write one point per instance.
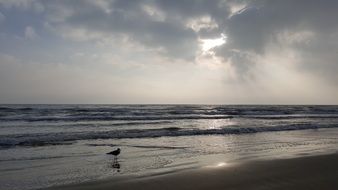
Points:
(42, 139)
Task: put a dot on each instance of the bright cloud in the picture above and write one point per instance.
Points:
(208, 44)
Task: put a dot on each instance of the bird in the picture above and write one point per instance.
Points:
(115, 152)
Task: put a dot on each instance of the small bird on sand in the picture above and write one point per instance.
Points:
(115, 152)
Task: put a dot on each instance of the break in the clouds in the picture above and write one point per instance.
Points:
(169, 51)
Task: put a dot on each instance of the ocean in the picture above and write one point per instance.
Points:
(49, 145)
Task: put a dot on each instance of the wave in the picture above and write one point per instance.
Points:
(105, 118)
(16, 109)
(162, 119)
(42, 139)
(139, 123)
(78, 113)
(276, 117)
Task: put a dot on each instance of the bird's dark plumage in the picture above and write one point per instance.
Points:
(115, 152)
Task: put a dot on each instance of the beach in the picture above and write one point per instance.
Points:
(313, 172)
(47, 146)
(168, 94)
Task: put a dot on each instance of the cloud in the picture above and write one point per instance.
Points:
(23, 5)
(254, 50)
(169, 27)
(2, 17)
(30, 33)
(175, 28)
(307, 28)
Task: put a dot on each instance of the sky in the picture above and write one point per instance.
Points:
(169, 51)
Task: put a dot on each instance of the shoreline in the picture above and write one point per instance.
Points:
(309, 172)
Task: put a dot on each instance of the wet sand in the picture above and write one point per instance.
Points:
(315, 172)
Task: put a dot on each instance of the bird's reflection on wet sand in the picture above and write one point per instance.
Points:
(115, 165)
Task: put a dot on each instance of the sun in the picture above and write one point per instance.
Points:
(208, 44)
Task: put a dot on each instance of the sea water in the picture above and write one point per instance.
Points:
(48, 145)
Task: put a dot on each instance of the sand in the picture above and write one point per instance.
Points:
(315, 172)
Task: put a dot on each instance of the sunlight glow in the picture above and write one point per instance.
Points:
(208, 44)
(219, 123)
(218, 165)
(221, 164)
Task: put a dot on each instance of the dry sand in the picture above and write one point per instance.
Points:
(316, 172)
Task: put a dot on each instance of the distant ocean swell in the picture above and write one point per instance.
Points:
(157, 118)
(78, 113)
(41, 139)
